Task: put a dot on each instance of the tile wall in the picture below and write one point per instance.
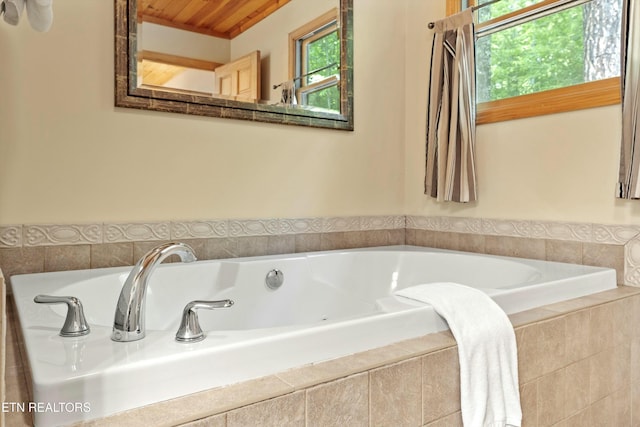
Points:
(570, 374)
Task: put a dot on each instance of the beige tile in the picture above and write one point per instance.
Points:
(634, 378)
(214, 421)
(429, 343)
(601, 374)
(410, 237)
(604, 255)
(308, 242)
(621, 291)
(453, 420)
(622, 321)
(21, 261)
(578, 335)
(541, 348)
(577, 387)
(622, 366)
(201, 405)
(564, 251)
(635, 316)
(333, 241)
(447, 240)
(635, 403)
(612, 410)
(581, 419)
(471, 243)
(396, 394)
(376, 238)
(251, 246)
(12, 342)
(357, 239)
(67, 257)
(16, 386)
(530, 316)
(426, 238)
(285, 411)
(339, 403)
(519, 247)
(440, 384)
(568, 306)
(551, 398)
(622, 407)
(285, 244)
(219, 248)
(601, 327)
(111, 255)
(396, 236)
(529, 404)
(314, 374)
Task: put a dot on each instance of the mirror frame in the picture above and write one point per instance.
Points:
(128, 95)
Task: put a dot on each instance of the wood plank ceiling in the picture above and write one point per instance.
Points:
(220, 18)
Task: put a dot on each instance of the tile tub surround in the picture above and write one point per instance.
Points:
(30, 249)
(579, 365)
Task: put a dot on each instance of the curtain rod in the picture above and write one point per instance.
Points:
(317, 70)
(473, 8)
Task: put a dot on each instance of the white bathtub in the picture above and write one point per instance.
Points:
(331, 304)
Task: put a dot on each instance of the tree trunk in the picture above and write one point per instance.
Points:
(602, 39)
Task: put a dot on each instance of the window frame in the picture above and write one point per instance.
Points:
(569, 98)
(298, 40)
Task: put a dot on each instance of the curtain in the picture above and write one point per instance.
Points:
(450, 168)
(628, 184)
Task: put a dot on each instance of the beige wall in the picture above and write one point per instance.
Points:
(67, 155)
(561, 167)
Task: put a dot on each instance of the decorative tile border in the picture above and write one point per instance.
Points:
(14, 236)
(579, 232)
(49, 235)
(139, 232)
(10, 236)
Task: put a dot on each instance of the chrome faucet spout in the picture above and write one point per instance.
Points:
(129, 320)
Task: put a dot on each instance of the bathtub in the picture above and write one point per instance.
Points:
(330, 304)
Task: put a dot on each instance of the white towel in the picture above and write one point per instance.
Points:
(13, 11)
(40, 14)
(489, 393)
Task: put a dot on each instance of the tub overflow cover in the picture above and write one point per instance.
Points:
(274, 279)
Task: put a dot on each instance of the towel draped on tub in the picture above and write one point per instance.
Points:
(489, 393)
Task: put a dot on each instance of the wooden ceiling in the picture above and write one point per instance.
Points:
(219, 18)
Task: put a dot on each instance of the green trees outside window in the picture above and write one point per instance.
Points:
(577, 45)
(322, 53)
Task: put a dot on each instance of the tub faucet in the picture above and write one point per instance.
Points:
(128, 324)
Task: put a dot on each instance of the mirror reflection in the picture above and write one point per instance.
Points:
(274, 52)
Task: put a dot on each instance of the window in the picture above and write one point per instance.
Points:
(538, 57)
(315, 62)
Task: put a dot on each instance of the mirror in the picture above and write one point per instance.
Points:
(278, 83)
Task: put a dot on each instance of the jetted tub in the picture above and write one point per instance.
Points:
(330, 304)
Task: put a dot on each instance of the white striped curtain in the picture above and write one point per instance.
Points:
(628, 184)
(450, 168)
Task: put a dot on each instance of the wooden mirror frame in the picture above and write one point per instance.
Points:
(128, 95)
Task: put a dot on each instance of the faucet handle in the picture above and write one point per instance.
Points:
(75, 325)
(190, 330)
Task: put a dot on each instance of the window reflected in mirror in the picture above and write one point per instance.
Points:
(314, 51)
